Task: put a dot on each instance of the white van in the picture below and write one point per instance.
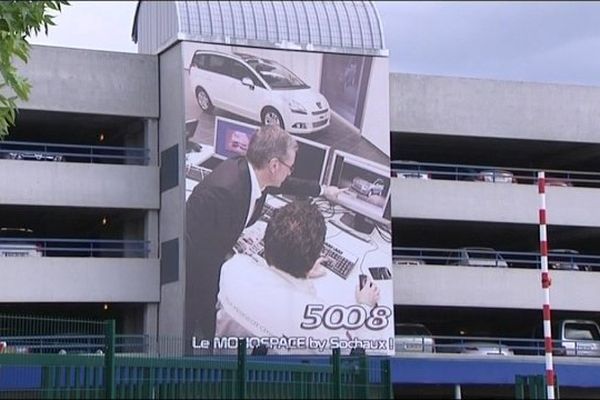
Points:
(573, 337)
(579, 337)
(259, 89)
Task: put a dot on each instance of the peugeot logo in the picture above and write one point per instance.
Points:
(319, 104)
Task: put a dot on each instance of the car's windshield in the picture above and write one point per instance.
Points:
(276, 75)
(581, 331)
(485, 254)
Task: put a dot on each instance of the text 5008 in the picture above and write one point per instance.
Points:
(352, 317)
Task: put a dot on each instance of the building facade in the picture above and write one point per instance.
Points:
(109, 219)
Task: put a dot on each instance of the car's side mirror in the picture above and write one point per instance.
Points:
(248, 82)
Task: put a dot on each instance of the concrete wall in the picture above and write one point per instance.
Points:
(90, 81)
(58, 279)
(489, 108)
(104, 84)
(494, 202)
(432, 285)
(172, 213)
(78, 185)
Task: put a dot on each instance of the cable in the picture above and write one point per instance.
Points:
(375, 248)
(324, 207)
(384, 233)
(339, 232)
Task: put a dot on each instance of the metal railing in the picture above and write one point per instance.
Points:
(486, 345)
(74, 344)
(74, 153)
(459, 172)
(479, 257)
(19, 247)
(499, 346)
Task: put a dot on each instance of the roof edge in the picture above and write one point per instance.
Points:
(283, 45)
(379, 24)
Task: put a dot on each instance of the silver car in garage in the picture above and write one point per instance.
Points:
(412, 337)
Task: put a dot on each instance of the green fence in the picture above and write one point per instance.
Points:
(151, 369)
(533, 387)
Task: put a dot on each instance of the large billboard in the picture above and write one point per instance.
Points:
(288, 238)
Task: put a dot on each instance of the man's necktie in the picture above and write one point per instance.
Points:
(258, 205)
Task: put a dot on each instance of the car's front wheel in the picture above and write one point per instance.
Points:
(271, 116)
(203, 100)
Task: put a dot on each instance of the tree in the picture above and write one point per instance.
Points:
(18, 20)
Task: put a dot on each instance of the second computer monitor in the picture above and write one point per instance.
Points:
(232, 137)
(311, 160)
(368, 188)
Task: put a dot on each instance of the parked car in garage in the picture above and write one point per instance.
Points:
(476, 257)
(27, 152)
(560, 182)
(496, 176)
(580, 337)
(566, 259)
(485, 348)
(412, 337)
(14, 242)
(259, 89)
(409, 170)
(408, 261)
(573, 337)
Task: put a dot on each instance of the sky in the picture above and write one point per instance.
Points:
(557, 42)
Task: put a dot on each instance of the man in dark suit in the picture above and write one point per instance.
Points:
(222, 205)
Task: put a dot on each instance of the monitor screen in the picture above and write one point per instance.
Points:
(232, 137)
(368, 185)
(190, 128)
(311, 160)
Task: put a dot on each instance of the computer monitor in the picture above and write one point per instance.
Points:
(190, 128)
(232, 137)
(311, 160)
(368, 193)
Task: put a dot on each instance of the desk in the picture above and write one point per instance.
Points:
(333, 289)
(193, 161)
(198, 157)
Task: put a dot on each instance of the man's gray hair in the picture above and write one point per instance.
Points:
(269, 142)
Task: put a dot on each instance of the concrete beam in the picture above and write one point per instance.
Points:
(91, 81)
(72, 279)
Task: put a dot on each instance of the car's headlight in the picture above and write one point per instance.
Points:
(297, 108)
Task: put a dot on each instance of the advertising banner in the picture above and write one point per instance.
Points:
(288, 239)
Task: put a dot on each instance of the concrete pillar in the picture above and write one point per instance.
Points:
(457, 392)
(151, 140)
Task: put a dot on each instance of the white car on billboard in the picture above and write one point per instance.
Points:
(259, 89)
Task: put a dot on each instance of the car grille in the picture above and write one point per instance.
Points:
(320, 112)
(35, 157)
(320, 123)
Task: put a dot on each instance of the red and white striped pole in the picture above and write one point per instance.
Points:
(546, 282)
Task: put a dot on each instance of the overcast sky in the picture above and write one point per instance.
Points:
(526, 41)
